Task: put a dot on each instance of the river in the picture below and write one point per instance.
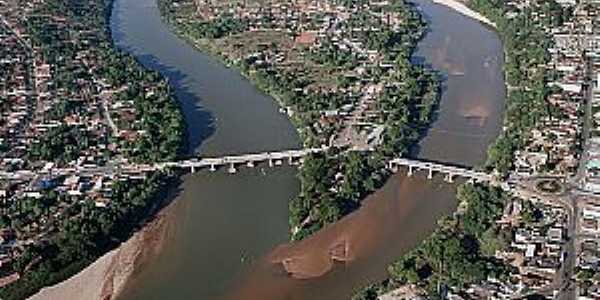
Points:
(230, 232)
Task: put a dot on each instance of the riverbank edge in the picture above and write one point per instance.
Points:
(204, 46)
(399, 292)
(465, 10)
(117, 264)
(107, 276)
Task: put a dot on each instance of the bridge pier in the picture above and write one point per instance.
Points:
(290, 160)
(449, 178)
(410, 171)
(232, 169)
(270, 162)
(250, 164)
(193, 169)
(430, 174)
(213, 168)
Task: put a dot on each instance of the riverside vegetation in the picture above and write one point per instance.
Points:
(460, 252)
(339, 69)
(526, 47)
(74, 40)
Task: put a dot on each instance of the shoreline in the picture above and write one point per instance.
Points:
(111, 272)
(106, 264)
(407, 290)
(212, 50)
(106, 275)
(202, 46)
(463, 9)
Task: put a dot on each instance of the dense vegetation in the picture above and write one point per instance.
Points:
(161, 122)
(334, 183)
(83, 232)
(160, 118)
(61, 144)
(407, 112)
(458, 253)
(525, 44)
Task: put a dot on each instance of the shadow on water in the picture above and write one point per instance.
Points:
(203, 126)
(419, 59)
(226, 114)
(442, 77)
(224, 218)
(218, 222)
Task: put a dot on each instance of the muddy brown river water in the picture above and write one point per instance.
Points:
(230, 233)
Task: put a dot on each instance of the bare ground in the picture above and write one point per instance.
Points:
(106, 277)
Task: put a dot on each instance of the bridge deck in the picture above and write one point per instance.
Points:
(437, 167)
(247, 159)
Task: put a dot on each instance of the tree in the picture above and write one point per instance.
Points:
(491, 241)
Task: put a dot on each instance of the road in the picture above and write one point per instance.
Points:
(574, 241)
(568, 198)
(569, 289)
(587, 124)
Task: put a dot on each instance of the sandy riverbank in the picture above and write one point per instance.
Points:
(106, 277)
(405, 292)
(460, 7)
(98, 281)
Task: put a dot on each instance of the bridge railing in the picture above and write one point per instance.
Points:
(449, 170)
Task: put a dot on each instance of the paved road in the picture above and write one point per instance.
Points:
(569, 289)
(526, 188)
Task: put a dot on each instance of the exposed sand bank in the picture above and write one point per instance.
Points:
(106, 277)
(406, 292)
(460, 7)
(306, 269)
(100, 280)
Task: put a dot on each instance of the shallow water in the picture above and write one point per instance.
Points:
(232, 231)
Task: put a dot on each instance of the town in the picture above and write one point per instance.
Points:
(76, 112)
(342, 74)
(547, 241)
(68, 100)
(564, 146)
(316, 50)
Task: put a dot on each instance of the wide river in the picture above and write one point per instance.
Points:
(230, 232)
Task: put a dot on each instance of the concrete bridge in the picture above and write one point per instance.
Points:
(449, 172)
(249, 160)
(233, 162)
